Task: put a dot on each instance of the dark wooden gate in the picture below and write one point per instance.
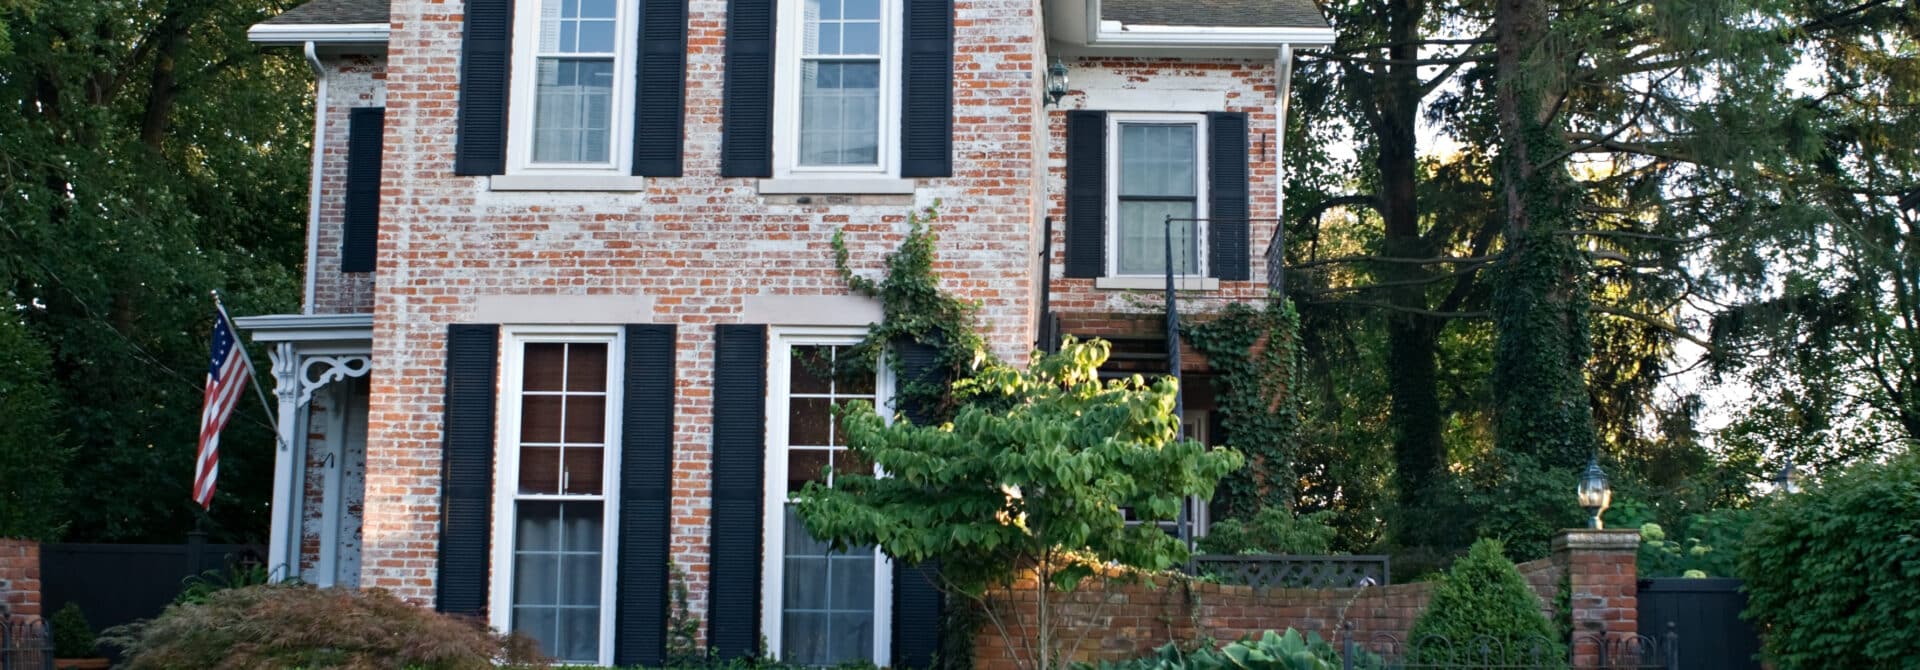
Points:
(122, 583)
(1706, 614)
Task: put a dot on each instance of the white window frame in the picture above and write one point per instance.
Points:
(788, 52)
(526, 42)
(506, 480)
(781, 341)
(1201, 168)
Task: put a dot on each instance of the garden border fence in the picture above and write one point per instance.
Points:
(25, 644)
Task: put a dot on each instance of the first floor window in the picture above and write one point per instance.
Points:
(1157, 174)
(823, 607)
(558, 453)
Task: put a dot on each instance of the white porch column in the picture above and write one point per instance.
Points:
(281, 550)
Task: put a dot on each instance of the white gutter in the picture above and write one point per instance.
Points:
(295, 34)
(313, 188)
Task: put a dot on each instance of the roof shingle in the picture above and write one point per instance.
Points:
(1225, 13)
(334, 12)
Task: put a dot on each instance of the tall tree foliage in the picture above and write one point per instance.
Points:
(152, 155)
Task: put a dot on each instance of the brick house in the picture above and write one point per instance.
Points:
(563, 254)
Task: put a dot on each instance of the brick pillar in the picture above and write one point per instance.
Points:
(20, 578)
(1602, 588)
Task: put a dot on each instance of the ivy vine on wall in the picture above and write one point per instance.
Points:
(1254, 353)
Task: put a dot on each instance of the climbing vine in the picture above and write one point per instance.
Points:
(1255, 355)
(916, 309)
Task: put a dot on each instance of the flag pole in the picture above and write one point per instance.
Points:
(253, 373)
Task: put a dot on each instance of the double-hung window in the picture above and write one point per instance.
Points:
(1157, 171)
(837, 93)
(820, 607)
(573, 91)
(555, 508)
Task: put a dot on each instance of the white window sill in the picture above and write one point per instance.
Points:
(1137, 283)
(608, 183)
(837, 186)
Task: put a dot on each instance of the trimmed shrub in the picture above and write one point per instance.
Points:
(72, 635)
(1483, 597)
(1833, 573)
(292, 626)
(1273, 530)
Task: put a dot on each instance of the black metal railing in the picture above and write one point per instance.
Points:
(1294, 572)
(25, 643)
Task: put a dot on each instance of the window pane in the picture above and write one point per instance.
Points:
(839, 113)
(1142, 238)
(803, 639)
(1157, 159)
(544, 364)
(862, 9)
(572, 110)
(586, 367)
(804, 373)
(804, 583)
(850, 637)
(805, 465)
(536, 580)
(809, 422)
(540, 418)
(586, 419)
(584, 470)
(860, 39)
(799, 542)
(540, 470)
(557, 577)
(579, 635)
(852, 582)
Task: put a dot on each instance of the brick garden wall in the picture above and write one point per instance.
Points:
(1136, 619)
(20, 578)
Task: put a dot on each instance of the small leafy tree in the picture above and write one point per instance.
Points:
(1024, 490)
(1483, 597)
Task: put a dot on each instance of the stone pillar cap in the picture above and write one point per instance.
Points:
(1590, 539)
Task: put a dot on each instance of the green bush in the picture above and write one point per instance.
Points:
(72, 635)
(1833, 573)
(293, 626)
(1272, 531)
(1272, 651)
(1483, 596)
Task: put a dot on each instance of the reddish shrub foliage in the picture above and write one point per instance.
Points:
(285, 626)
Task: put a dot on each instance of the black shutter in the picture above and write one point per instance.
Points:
(486, 57)
(466, 468)
(746, 108)
(646, 471)
(359, 241)
(918, 605)
(739, 444)
(662, 88)
(926, 107)
(1086, 194)
(1228, 234)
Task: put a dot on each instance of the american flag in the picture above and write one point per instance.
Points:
(226, 377)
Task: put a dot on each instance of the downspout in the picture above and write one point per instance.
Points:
(1283, 68)
(313, 188)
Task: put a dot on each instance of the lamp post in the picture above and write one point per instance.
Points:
(1595, 492)
(1056, 81)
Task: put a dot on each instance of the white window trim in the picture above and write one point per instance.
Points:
(1114, 121)
(526, 40)
(781, 341)
(790, 22)
(507, 471)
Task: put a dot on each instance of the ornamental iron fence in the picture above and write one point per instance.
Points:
(1294, 572)
(25, 644)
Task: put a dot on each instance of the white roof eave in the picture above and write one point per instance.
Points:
(296, 34)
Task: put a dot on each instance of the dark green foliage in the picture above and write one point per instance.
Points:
(1273, 530)
(1521, 504)
(916, 309)
(198, 588)
(1255, 356)
(284, 626)
(72, 635)
(1271, 651)
(1696, 545)
(683, 628)
(1833, 573)
(33, 455)
(1484, 596)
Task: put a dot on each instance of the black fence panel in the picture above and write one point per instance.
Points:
(1706, 613)
(122, 583)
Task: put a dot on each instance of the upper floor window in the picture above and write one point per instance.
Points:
(837, 98)
(573, 92)
(1156, 172)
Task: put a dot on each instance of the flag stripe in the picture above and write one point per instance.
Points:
(227, 376)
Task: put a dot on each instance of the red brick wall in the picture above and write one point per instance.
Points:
(20, 577)
(1136, 619)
